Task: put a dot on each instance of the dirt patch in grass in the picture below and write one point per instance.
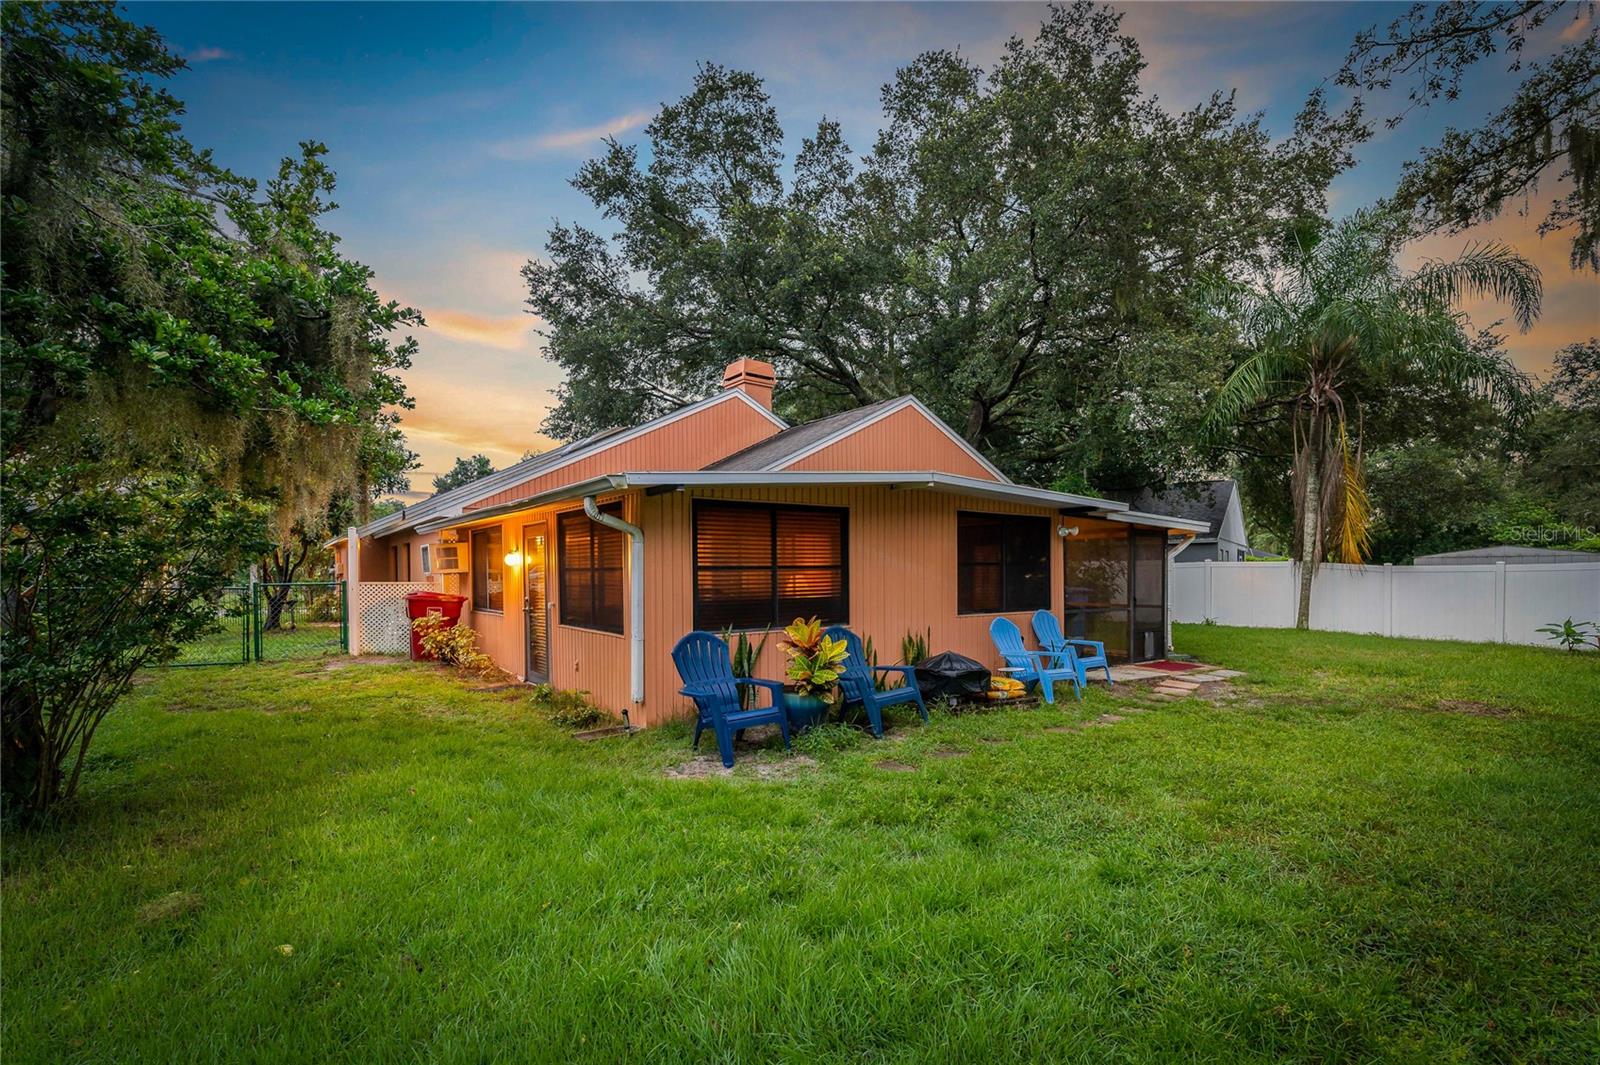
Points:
(1474, 708)
(889, 765)
(946, 752)
(702, 766)
(168, 907)
(345, 662)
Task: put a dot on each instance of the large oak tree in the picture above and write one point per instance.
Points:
(1015, 249)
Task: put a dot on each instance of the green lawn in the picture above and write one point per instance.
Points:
(286, 862)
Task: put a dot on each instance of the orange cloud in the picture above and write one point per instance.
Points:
(1571, 306)
(508, 332)
(517, 148)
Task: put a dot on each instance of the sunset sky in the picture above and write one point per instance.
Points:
(455, 128)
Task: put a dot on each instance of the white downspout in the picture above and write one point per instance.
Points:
(636, 592)
(1172, 557)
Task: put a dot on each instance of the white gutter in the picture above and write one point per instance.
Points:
(636, 592)
(1172, 556)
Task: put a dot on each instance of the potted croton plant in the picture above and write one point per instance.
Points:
(815, 664)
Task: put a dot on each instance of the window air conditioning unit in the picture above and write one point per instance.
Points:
(444, 558)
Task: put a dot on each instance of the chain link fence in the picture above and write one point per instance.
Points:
(228, 640)
(272, 622)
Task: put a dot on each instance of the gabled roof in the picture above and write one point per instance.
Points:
(790, 446)
(457, 500)
(1205, 501)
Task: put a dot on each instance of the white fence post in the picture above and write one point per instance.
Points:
(352, 584)
(1206, 614)
(1388, 598)
(1500, 601)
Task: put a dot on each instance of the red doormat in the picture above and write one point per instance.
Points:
(1170, 667)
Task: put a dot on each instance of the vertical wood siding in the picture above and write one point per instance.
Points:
(902, 546)
(902, 577)
(905, 440)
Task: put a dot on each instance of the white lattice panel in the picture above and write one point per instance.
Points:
(381, 605)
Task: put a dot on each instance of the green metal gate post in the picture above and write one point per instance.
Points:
(344, 616)
(255, 616)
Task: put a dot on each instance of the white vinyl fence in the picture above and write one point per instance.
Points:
(1492, 603)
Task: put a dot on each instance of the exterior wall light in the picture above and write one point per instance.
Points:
(513, 559)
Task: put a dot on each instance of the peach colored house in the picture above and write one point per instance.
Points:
(583, 566)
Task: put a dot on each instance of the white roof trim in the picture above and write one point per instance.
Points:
(1139, 517)
(878, 416)
(456, 501)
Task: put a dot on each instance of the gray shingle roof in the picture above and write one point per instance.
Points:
(1205, 501)
(768, 453)
(1508, 553)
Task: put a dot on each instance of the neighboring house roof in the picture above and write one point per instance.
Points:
(783, 450)
(932, 480)
(1200, 501)
(1508, 553)
(457, 500)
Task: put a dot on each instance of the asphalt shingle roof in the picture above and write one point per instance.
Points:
(768, 453)
(1205, 501)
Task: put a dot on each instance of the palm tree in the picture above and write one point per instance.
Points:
(1341, 310)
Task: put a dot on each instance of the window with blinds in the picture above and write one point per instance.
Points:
(1002, 563)
(589, 565)
(758, 566)
(488, 570)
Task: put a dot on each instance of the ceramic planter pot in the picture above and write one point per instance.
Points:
(804, 710)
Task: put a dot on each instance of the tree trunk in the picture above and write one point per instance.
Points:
(1310, 518)
(277, 599)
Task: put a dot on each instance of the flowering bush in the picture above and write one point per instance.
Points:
(454, 645)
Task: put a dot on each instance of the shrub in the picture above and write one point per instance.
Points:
(454, 645)
(568, 709)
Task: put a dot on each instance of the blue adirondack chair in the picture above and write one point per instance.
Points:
(1042, 668)
(858, 685)
(707, 672)
(1047, 630)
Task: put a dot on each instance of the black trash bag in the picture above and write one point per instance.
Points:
(948, 675)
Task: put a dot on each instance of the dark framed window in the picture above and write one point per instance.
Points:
(1002, 563)
(760, 566)
(589, 563)
(488, 570)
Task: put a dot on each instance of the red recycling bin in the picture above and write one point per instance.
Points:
(421, 604)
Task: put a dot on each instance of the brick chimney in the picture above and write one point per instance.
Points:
(753, 377)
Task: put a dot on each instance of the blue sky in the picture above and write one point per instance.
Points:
(454, 129)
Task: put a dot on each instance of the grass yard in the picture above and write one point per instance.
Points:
(1378, 849)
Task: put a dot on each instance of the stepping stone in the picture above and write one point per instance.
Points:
(995, 739)
(890, 766)
(1179, 692)
(946, 752)
(1226, 674)
(1109, 719)
(1063, 728)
